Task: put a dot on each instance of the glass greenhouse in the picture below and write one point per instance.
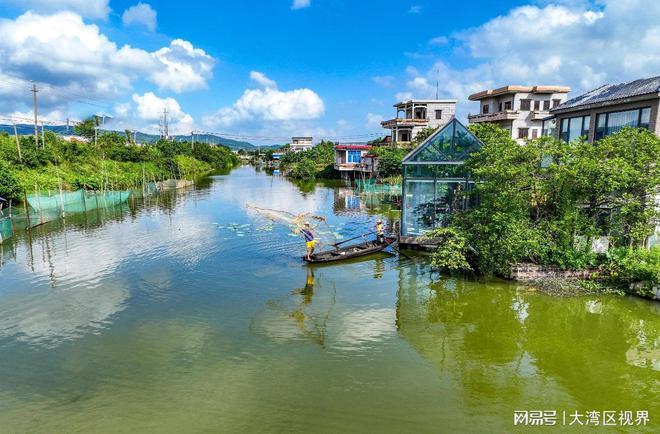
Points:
(434, 178)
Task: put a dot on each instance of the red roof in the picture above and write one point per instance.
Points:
(353, 146)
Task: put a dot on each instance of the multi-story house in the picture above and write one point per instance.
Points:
(519, 109)
(606, 110)
(414, 115)
(354, 158)
(299, 144)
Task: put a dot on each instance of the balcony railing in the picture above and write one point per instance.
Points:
(492, 117)
(403, 122)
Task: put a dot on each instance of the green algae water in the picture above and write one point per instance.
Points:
(187, 313)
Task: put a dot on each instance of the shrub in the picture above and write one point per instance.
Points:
(452, 253)
(9, 186)
(639, 267)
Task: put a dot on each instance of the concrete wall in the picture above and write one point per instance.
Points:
(530, 272)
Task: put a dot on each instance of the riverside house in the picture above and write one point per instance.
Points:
(414, 115)
(354, 159)
(299, 144)
(518, 109)
(607, 109)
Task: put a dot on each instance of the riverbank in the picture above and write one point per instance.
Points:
(110, 164)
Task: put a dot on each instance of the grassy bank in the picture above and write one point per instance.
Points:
(110, 164)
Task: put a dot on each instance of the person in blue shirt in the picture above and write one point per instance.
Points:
(310, 241)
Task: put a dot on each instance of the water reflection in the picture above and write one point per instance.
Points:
(512, 348)
(63, 280)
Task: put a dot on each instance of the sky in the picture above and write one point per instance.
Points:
(265, 70)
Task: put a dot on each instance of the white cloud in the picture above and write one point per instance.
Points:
(415, 9)
(185, 67)
(140, 14)
(149, 107)
(439, 40)
(582, 45)
(383, 80)
(95, 9)
(269, 104)
(261, 79)
(301, 4)
(373, 121)
(77, 61)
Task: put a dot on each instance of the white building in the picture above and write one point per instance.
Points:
(414, 115)
(519, 109)
(299, 144)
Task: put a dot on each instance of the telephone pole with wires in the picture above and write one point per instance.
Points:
(36, 128)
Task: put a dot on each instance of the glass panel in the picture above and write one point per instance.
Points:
(618, 120)
(645, 118)
(549, 127)
(564, 130)
(574, 129)
(435, 171)
(601, 120)
(448, 200)
(418, 207)
(438, 148)
(585, 126)
(464, 142)
(354, 157)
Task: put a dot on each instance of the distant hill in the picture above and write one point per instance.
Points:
(24, 129)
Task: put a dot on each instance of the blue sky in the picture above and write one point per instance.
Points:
(265, 70)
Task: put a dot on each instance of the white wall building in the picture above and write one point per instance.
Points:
(519, 109)
(299, 144)
(412, 116)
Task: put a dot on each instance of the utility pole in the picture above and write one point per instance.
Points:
(36, 132)
(18, 144)
(192, 135)
(165, 129)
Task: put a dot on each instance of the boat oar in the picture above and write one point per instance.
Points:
(351, 239)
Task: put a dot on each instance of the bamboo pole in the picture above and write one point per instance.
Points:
(18, 145)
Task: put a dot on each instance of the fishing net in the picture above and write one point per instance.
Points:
(50, 206)
(296, 222)
(6, 231)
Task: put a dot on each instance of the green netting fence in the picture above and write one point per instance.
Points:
(58, 204)
(6, 230)
(370, 186)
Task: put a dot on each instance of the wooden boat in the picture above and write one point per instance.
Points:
(350, 252)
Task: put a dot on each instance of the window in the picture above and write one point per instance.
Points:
(535, 133)
(537, 105)
(585, 126)
(645, 117)
(523, 133)
(525, 104)
(438, 114)
(564, 130)
(353, 157)
(499, 107)
(507, 105)
(610, 123)
(546, 105)
(555, 102)
(575, 127)
(549, 127)
(484, 109)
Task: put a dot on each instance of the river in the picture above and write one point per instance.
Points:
(187, 312)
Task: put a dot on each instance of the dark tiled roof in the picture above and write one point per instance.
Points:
(610, 92)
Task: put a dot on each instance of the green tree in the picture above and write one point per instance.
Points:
(86, 127)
